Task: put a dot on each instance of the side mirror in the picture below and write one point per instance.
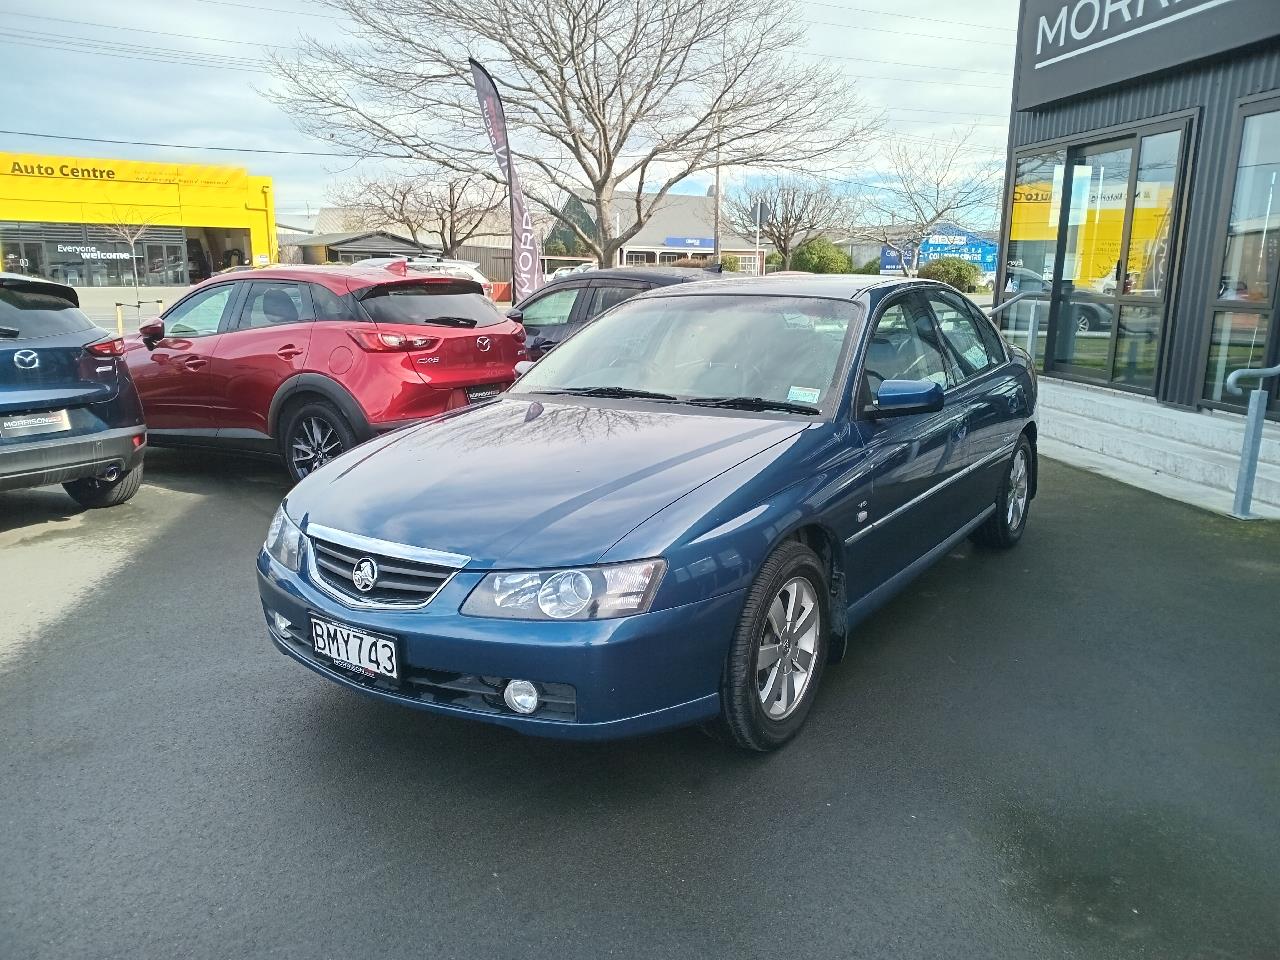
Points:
(523, 367)
(516, 314)
(152, 331)
(903, 398)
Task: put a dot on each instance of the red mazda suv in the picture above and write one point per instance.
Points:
(306, 362)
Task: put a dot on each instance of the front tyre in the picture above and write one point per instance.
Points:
(314, 433)
(1004, 528)
(94, 492)
(778, 652)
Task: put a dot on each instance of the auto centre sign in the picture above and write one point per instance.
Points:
(1069, 47)
(690, 243)
(961, 245)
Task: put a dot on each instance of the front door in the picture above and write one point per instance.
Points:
(172, 374)
(911, 504)
(1117, 238)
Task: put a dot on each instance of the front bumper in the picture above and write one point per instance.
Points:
(59, 459)
(612, 678)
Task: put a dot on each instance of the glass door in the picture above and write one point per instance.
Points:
(1117, 243)
(1243, 332)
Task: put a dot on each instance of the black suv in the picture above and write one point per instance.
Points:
(69, 412)
(564, 306)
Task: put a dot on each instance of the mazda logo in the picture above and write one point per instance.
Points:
(27, 359)
(364, 575)
(483, 344)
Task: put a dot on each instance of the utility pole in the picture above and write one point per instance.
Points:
(715, 237)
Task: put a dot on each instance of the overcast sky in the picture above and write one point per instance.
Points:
(132, 71)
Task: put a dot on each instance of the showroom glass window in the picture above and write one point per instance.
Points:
(1033, 242)
(1241, 333)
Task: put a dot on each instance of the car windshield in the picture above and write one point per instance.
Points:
(702, 348)
(437, 302)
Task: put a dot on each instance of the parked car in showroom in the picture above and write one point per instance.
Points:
(564, 306)
(69, 413)
(306, 362)
(675, 517)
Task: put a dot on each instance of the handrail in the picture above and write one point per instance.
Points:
(1251, 447)
(1008, 303)
(1261, 373)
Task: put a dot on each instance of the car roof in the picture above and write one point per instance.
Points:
(658, 276)
(841, 286)
(339, 277)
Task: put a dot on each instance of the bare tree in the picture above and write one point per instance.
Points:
(612, 102)
(793, 209)
(128, 227)
(447, 208)
(927, 184)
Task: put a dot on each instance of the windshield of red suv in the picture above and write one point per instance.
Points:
(430, 302)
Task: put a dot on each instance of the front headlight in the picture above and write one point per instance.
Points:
(285, 541)
(587, 593)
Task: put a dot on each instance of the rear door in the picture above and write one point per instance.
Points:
(606, 294)
(264, 345)
(549, 315)
(47, 377)
(172, 374)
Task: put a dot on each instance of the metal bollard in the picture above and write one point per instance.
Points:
(1252, 446)
(119, 319)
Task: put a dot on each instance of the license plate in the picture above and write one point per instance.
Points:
(367, 653)
(30, 424)
(486, 392)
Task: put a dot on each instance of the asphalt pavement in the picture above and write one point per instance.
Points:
(1068, 750)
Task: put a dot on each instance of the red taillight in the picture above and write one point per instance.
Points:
(376, 341)
(107, 348)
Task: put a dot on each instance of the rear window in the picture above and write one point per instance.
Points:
(426, 303)
(34, 313)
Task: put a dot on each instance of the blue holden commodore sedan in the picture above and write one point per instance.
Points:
(676, 517)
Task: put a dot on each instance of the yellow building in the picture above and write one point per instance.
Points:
(71, 219)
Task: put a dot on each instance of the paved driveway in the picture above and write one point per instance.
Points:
(1069, 750)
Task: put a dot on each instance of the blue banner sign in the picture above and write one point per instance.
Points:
(963, 246)
(690, 243)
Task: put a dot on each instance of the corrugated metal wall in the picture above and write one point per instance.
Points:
(495, 262)
(1213, 89)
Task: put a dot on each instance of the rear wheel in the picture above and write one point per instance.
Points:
(778, 651)
(314, 433)
(1003, 529)
(94, 492)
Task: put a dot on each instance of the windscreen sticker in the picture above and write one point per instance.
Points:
(803, 394)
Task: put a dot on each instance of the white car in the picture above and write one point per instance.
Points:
(432, 266)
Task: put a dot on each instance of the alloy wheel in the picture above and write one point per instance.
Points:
(315, 442)
(1019, 487)
(785, 657)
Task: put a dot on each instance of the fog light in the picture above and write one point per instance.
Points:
(280, 623)
(521, 696)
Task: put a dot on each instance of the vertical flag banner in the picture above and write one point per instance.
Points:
(526, 251)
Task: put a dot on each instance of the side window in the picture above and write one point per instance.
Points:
(329, 306)
(200, 315)
(551, 310)
(903, 347)
(961, 336)
(602, 298)
(273, 302)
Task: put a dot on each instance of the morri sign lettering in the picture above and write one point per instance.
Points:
(1069, 47)
(20, 169)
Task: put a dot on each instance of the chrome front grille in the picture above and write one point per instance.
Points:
(407, 576)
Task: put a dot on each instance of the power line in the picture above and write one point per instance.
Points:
(158, 33)
(909, 16)
(906, 33)
(904, 63)
(124, 51)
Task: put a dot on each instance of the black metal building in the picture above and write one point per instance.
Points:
(1142, 207)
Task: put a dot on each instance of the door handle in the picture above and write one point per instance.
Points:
(288, 352)
(194, 363)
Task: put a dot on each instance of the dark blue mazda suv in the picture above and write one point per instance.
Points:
(675, 517)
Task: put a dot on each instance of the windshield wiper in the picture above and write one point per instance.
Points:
(755, 403)
(10, 333)
(620, 392)
(451, 321)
